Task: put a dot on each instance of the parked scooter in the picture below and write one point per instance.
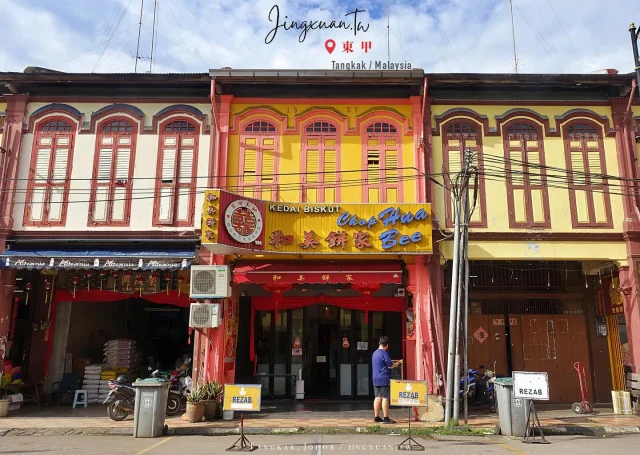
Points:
(481, 390)
(122, 398)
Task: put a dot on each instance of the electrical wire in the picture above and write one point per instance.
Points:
(111, 36)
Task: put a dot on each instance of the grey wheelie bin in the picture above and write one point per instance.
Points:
(150, 409)
(512, 412)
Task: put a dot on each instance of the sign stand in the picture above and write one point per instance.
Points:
(242, 397)
(410, 443)
(242, 444)
(533, 425)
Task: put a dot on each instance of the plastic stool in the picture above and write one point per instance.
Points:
(77, 400)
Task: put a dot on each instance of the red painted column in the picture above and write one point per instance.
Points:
(9, 161)
(629, 274)
(420, 287)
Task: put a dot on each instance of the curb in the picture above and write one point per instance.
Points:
(554, 430)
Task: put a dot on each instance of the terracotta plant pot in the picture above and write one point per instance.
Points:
(211, 410)
(195, 412)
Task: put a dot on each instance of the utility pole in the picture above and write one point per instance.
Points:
(135, 70)
(153, 34)
(513, 37)
(458, 281)
(635, 35)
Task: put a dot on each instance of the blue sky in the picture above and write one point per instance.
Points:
(552, 36)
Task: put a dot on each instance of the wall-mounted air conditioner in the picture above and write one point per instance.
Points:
(210, 282)
(204, 315)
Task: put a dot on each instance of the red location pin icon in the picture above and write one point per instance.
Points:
(330, 45)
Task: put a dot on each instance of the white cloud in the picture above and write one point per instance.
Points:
(436, 35)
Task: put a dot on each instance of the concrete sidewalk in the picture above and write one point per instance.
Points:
(349, 417)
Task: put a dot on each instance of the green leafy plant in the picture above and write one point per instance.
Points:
(197, 395)
(212, 390)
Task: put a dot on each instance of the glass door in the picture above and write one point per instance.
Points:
(346, 352)
(363, 354)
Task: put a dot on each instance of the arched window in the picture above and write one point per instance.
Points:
(588, 190)
(50, 171)
(176, 174)
(113, 172)
(259, 149)
(462, 135)
(383, 151)
(320, 167)
(527, 195)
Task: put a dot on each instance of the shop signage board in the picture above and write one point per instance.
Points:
(408, 393)
(610, 300)
(242, 397)
(233, 223)
(531, 385)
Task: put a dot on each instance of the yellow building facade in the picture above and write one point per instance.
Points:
(549, 237)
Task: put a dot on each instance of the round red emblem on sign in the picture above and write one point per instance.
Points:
(243, 221)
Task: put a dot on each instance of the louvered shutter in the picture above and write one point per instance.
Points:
(330, 166)
(43, 162)
(268, 165)
(391, 166)
(168, 180)
(250, 164)
(185, 178)
(121, 177)
(313, 166)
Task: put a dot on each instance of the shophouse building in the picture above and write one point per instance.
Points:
(116, 184)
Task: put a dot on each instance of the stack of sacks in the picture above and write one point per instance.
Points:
(91, 382)
(123, 354)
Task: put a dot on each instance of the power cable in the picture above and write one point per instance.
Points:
(111, 37)
(562, 27)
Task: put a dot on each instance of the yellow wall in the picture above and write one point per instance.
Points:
(560, 212)
(351, 148)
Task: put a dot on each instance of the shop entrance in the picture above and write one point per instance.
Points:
(332, 347)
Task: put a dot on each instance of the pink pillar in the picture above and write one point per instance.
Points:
(629, 275)
(631, 297)
(420, 286)
(9, 161)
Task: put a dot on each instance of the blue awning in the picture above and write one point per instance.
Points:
(107, 259)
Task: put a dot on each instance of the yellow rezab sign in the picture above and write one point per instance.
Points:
(408, 393)
(242, 397)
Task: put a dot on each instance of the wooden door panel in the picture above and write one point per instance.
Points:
(552, 344)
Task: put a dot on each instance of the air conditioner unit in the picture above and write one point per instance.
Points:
(204, 315)
(400, 292)
(209, 282)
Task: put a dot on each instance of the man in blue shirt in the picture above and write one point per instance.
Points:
(380, 364)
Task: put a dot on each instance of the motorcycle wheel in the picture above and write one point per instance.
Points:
(174, 403)
(115, 412)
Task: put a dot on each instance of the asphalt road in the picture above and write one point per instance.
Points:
(309, 444)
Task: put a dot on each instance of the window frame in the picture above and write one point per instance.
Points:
(108, 222)
(566, 140)
(526, 185)
(162, 134)
(321, 184)
(31, 185)
(259, 186)
(381, 186)
(446, 150)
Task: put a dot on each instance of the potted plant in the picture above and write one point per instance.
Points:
(195, 404)
(213, 390)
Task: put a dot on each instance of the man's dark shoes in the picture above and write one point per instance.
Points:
(378, 419)
(387, 420)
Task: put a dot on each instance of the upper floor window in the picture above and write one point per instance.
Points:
(112, 173)
(460, 136)
(260, 127)
(259, 149)
(527, 194)
(50, 173)
(381, 127)
(319, 163)
(383, 149)
(588, 190)
(176, 174)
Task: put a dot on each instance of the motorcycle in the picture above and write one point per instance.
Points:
(122, 398)
(481, 390)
